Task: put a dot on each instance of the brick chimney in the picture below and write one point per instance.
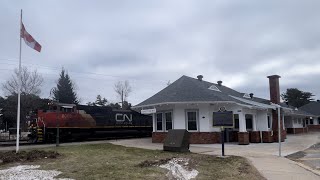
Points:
(275, 98)
(274, 88)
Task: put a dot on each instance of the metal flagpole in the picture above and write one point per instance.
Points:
(19, 89)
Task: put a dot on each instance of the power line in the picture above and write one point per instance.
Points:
(58, 69)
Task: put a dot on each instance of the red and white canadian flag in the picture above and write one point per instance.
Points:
(29, 40)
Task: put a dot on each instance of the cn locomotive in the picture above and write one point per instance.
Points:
(70, 121)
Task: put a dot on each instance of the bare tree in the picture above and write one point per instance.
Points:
(30, 82)
(123, 89)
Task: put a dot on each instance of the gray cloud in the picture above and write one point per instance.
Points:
(152, 42)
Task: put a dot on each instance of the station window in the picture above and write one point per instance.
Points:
(236, 121)
(159, 121)
(319, 120)
(164, 121)
(249, 121)
(192, 118)
(168, 119)
(269, 121)
(311, 121)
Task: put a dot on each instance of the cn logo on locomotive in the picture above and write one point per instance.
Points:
(123, 118)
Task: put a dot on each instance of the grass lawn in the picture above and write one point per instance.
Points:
(107, 161)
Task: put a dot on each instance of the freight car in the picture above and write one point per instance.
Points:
(80, 121)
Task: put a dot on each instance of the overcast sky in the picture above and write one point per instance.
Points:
(152, 42)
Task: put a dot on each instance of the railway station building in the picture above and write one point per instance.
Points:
(313, 108)
(189, 103)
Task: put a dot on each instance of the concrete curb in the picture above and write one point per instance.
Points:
(316, 172)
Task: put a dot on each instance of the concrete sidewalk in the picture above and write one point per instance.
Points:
(264, 156)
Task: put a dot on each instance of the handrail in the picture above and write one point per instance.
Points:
(44, 127)
(37, 122)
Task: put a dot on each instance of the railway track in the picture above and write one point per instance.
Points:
(25, 143)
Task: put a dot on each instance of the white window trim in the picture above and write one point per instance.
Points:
(163, 121)
(214, 88)
(311, 120)
(250, 129)
(156, 124)
(234, 121)
(197, 119)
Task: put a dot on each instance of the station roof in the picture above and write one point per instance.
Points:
(188, 90)
(312, 107)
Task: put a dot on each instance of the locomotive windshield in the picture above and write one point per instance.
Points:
(55, 107)
(66, 109)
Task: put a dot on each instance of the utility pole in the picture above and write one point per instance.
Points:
(58, 124)
(122, 98)
(1, 117)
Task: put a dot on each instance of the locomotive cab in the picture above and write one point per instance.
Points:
(61, 107)
(42, 126)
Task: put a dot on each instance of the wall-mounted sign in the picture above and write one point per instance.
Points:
(148, 111)
(222, 109)
(223, 119)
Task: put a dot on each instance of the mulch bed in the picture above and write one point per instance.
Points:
(26, 156)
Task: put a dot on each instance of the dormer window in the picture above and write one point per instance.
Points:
(246, 96)
(213, 87)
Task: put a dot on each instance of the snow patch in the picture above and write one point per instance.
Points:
(178, 169)
(29, 172)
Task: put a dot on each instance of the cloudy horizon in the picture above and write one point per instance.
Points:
(150, 43)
